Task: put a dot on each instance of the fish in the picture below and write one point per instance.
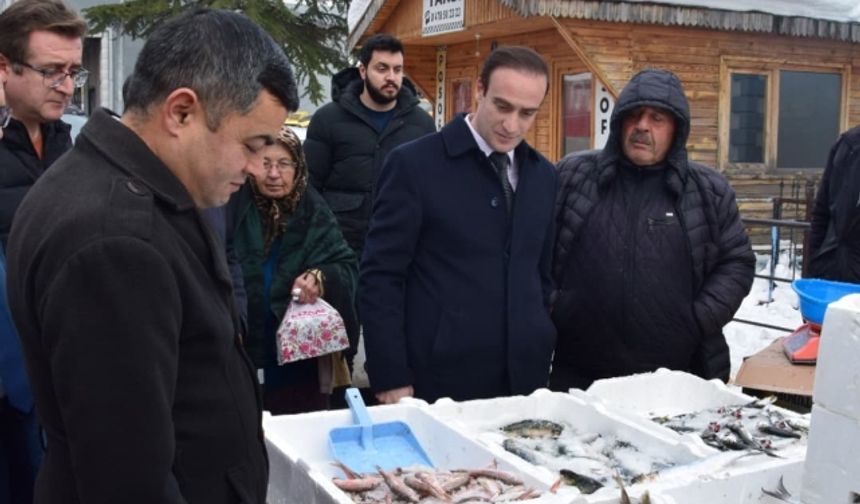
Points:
(708, 465)
(781, 493)
(434, 486)
(346, 470)
(356, 484)
(625, 499)
(471, 495)
(398, 486)
(517, 493)
(456, 481)
(776, 430)
(533, 429)
(493, 487)
(520, 450)
(498, 474)
(422, 486)
(747, 438)
(797, 424)
(761, 402)
(585, 484)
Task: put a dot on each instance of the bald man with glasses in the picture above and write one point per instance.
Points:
(41, 47)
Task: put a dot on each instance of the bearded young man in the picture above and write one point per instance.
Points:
(374, 109)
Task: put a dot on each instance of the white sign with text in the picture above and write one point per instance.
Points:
(442, 16)
(604, 103)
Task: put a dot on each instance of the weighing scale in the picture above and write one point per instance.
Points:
(814, 294)
(801, 346)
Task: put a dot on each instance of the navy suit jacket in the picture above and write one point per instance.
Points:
(453, 293)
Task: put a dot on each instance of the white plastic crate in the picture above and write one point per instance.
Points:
(738, 486)
(301, 465)
(832, 471)
(837, 375)
(480, 418)
(665, 393)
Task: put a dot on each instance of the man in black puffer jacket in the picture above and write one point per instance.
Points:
(374, 109)
(651, 259)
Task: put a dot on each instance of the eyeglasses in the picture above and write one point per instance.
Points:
(281, 164)
(54, 77)
(5, 115)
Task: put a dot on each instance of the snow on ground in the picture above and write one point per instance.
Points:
(746, 339)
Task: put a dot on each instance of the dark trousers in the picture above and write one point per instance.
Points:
(20, 454)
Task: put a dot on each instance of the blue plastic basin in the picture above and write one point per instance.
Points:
(815, 294)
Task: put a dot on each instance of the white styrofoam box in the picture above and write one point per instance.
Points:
(301, 464)
(665, 393)
(832, 471)
(743, 486)
(837, 374)
(669, 393)
(481, 419)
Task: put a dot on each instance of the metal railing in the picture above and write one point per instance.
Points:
(797, 244)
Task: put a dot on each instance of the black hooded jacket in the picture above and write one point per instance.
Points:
(344, 150)
(835, 233)
(650, 262)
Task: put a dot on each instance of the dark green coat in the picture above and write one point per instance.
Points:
(312, 240)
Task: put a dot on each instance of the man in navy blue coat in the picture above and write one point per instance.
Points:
(455, 281)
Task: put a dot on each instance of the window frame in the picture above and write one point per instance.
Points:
(560, 68)
(770, 68)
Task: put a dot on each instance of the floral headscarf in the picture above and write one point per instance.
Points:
(275, 213)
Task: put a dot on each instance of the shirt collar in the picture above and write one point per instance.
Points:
(482, 144)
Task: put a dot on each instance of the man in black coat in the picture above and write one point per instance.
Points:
(651, 259)
(454, 284)
(374, 109)
(121, 292)
(835, 233)
(41, 46)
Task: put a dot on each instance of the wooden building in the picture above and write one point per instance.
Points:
(769, 90)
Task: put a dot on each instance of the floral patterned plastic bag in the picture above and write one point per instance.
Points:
(310, 330)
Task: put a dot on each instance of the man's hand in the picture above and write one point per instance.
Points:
(394, 395)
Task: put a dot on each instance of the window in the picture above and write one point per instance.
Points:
(746, 135)
(576, 116)
(776, 118)
(809, 105)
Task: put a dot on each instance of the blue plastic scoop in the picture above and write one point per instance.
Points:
(367, 445)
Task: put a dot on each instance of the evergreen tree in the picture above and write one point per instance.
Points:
(312, 32)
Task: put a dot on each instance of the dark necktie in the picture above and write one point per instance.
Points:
(501, 161)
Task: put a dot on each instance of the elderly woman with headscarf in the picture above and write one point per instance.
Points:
(287, 240)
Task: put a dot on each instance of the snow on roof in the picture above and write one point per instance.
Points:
(357, 8)
(834, 10)
(835, 19)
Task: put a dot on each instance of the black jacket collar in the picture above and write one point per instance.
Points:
(127, 151)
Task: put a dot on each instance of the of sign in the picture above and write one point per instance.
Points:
(604, 104)
(442, 16)
(439, 112)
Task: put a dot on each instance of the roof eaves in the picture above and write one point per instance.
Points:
(363, 23)
(717, 19)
